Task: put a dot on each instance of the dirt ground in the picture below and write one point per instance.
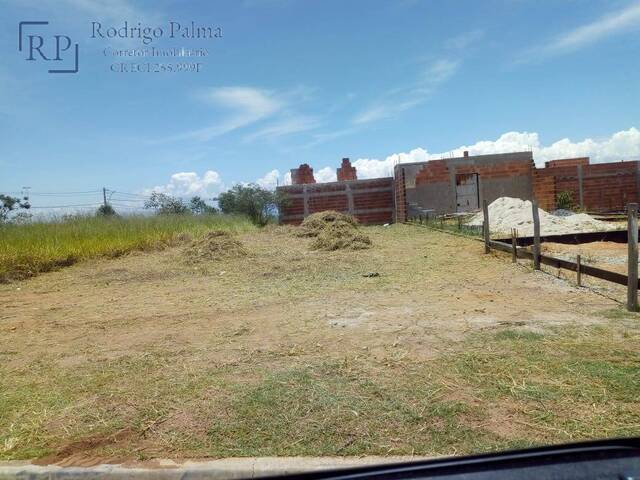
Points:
(290, 351)
(609, 255)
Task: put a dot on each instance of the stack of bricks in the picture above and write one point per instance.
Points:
(302, 175)
(346, 172)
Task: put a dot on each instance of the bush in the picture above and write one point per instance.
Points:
(199, 207)
(10, 204)
(166, 204)
(258, 203)
(105, 211)
(564, 201)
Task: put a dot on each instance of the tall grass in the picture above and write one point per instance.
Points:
(33, 248)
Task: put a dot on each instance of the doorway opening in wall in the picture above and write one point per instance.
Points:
(467, 196)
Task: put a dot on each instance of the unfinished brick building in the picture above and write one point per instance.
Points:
(461, 184)
(370, 201)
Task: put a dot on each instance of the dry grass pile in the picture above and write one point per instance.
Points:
(215, 245)
(317, 222)
(333, 231)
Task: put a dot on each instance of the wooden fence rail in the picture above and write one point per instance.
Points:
(600, 273)
(630, 280)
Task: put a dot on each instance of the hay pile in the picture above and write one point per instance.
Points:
(332, 230)
(214, 245)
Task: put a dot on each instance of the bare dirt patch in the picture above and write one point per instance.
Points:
(289, 351)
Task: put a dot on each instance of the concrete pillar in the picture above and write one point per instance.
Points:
(305, 199)
(580, 194)
(352, 208)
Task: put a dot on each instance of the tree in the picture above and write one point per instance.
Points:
(198, 206)
(166, 204)
(105, 210)
(252, 200)
(9, 204)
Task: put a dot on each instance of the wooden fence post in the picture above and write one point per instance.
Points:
(485, 226)
(536, 235)
(514, 246)
(578, 271)
(632, 261)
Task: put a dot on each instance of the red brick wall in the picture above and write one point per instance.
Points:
(544, 190)
(567, 162)
(372, 200)
(346, 171)
(605, 186)
(610, 186)
(436, 171)
(433, 171)
(302, 174)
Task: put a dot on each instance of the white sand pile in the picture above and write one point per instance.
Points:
(506, 213)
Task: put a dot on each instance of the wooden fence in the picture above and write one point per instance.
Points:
(630, 280)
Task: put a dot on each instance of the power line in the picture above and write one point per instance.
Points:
(54, 193)
(69, 206)
(131, 194)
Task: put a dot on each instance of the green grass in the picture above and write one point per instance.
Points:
(26, 250)
(493, 393)
(519, 335)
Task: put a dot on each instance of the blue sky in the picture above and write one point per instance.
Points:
(295, 82)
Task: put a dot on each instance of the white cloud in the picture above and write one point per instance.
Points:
(614, 23)
(373, 168)
(402, 99)
(189, 184)
(247, 105)
(326, 174)
(270, 180)
(286, 126)
(465, 39)
(440, 71)
(623, 145)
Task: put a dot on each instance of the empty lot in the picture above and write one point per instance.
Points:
(420, 345)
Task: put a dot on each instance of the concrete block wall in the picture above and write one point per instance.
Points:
(433, 183)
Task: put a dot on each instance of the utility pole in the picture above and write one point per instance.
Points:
(104, 196)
